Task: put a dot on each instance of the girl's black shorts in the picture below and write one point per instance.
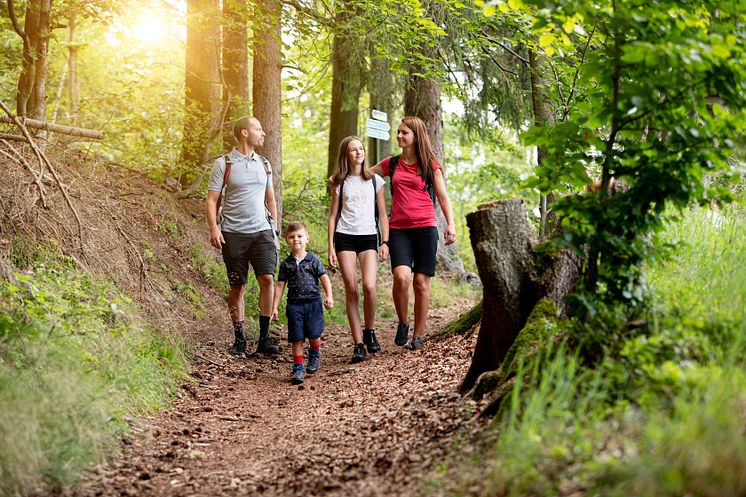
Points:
(355, 243)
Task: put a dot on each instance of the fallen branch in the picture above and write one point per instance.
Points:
(143, 272)
(92, 134)
(22, 160)
(13, 138)
(42, 161)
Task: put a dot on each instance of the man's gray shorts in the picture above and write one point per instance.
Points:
(257, 249)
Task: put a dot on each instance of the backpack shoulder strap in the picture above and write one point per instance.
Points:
(393, 161)
(226, 174)
(267, 167)
(339, 204)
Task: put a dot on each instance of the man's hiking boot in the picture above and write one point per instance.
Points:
(402, 333)
(358, 353)
(298, 374)
(265, 346)
(314, 361)
(370, 341)
(239, 344)
(417, 343)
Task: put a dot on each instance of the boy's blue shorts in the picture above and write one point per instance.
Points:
(305, 320)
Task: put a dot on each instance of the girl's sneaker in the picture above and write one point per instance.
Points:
(358, 353)
(417, 343)
(299, 374)
(402, 333)
(371, 342)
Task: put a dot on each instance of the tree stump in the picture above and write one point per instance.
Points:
(516, 272)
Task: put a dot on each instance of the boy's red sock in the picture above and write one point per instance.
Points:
(297, 359)
(314, 349)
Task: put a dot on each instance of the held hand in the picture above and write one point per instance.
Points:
(383, 252)
(449, 235)
(216, 238)
(328, 302)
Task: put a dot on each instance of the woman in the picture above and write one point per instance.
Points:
(358, 204)
(416, 179)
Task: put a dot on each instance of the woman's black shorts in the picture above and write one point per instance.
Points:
(355, 243)
(414, 247)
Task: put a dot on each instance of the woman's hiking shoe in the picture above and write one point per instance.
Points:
(298, 374)
(314, 361)
(371, 342)
(358, 353)
(402, 333)
(417, 343)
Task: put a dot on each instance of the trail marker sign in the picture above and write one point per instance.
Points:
(378, 126)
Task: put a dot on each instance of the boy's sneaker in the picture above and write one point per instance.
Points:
(417, 343)
(370, 340)
(314, 361)
(298, 374)
(402, 333)
(358, 353)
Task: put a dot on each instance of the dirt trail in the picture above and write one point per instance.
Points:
(370, 429)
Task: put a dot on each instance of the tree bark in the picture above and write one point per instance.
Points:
(516, 273)
(381, 90)
(73, 79)
(37, 108)
(267, 88)
(347, 71)
(422, 99)
(543, 116)
(201, 84)
(235, 61)
(31, 89)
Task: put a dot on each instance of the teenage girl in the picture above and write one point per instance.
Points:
(357, 200)
(413, 237)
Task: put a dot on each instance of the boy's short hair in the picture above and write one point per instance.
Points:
(294, 226)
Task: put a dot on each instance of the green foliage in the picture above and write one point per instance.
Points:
(75, 363)
(663, 99)
(654, 405)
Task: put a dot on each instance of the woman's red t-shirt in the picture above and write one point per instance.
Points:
(412, 206)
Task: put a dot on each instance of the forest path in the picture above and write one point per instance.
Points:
(370, 429)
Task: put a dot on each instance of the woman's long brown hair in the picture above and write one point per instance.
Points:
(342, 169)
(423, 148)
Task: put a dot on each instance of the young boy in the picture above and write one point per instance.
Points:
(302, 271)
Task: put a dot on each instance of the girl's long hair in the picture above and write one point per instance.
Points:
(423, 148)
(342, 169)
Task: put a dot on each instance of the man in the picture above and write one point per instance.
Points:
(244, 232)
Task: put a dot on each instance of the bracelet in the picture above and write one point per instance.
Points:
(384, 242)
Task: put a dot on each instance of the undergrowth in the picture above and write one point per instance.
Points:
(76, 362)
(652, 406)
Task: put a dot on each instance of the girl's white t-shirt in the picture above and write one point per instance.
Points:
(358, 216)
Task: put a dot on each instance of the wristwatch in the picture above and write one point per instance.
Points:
(386, 242)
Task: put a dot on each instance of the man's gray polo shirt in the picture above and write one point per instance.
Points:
(243, 203)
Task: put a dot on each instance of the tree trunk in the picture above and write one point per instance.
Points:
(543, 116)
(37, 108)
(201, 84)
(381, 89)
(516, 273)
(235, 61)
(267, 88)
(422, 99)
(347, 70)
(72, 74)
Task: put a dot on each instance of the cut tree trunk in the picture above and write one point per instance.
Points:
(516, 272)
(91, 134)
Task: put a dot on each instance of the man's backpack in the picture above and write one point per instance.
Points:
(375, 206)
(393, 162)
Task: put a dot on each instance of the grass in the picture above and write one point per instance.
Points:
(76, 361)
(675, 426)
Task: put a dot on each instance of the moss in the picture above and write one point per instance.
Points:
(464, 323)
(541, 324)
(545, 253)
